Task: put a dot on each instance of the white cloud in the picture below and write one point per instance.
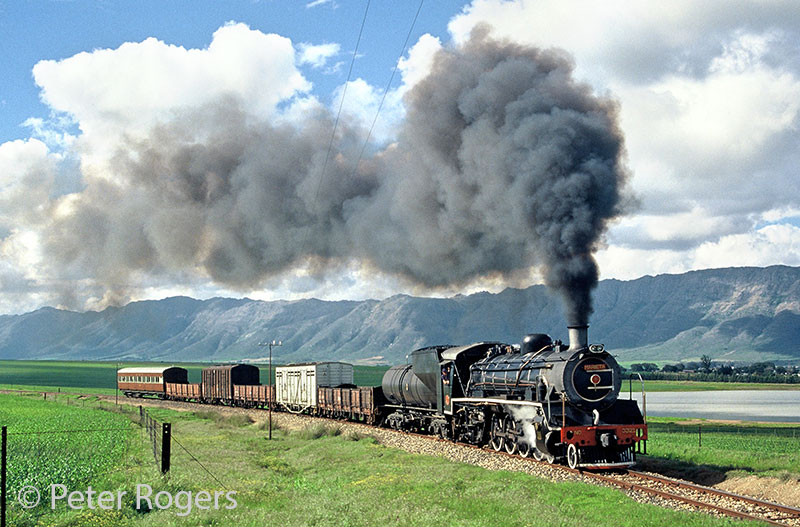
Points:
(709, 94)
(27, 176)
(361, 104)
(317, 3)
(363, 100)
(113, 93)
(769, 245)
(419, 61)
(709, 97)
(316, 56)
(772, 244)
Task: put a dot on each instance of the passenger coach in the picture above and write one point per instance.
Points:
(140, 382)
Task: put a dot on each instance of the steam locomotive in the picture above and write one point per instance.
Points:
(542, 398)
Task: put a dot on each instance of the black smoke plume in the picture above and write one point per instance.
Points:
(503, 162)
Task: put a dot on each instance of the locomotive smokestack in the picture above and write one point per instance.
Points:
(578, 337)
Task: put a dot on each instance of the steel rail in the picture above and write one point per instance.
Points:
(785, 509)
(691, 501)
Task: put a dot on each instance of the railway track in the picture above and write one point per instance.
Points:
(717, 501)
(699, 497)
(708, 498)
(670, 491)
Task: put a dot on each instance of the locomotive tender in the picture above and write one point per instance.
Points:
(543, 398)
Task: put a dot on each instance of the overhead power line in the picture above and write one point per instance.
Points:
(341, 103)
(388, 85)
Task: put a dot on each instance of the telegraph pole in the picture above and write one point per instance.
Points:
(116, 381)
(271, 345)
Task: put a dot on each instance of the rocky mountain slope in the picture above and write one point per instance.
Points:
(734, 314)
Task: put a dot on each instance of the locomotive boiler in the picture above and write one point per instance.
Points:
(541, 398)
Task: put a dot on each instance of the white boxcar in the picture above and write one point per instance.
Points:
(296, 385)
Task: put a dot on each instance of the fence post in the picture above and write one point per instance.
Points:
(699, 436)
(166, 434)
(3, 456)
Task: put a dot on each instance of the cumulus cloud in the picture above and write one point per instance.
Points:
(118, 94)
(239, 187)
(767, 245)
(165, 183)
(710, 105)
(317, 55)
(757, 248)
(27, 176)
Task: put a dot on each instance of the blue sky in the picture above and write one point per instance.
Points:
(108, 109)
(40, 30)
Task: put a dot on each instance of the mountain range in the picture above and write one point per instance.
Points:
(737, 314)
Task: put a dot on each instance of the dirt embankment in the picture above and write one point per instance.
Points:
(786, 492)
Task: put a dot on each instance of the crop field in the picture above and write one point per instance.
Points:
(699, 386)
(55, 443)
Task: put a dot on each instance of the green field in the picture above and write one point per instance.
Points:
(318, 476)
(690, 445)
(100, 377)
(54, 443)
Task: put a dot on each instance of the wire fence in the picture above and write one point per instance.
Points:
(160, 435)
(727, 437)
(75, 444)
(48, 450)
(35, 462)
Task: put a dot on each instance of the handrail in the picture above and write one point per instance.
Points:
(644, 394)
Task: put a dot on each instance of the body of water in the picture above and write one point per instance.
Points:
(748, 405)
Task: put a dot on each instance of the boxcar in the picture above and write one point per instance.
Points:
(218, 381)
(297, 384)
(139, 382)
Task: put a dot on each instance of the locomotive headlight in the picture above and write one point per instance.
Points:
(597, 348)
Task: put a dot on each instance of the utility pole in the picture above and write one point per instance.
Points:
(271, 345)
(116, 381)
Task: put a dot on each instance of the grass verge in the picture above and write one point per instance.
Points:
(708, 451)
(319, 476)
